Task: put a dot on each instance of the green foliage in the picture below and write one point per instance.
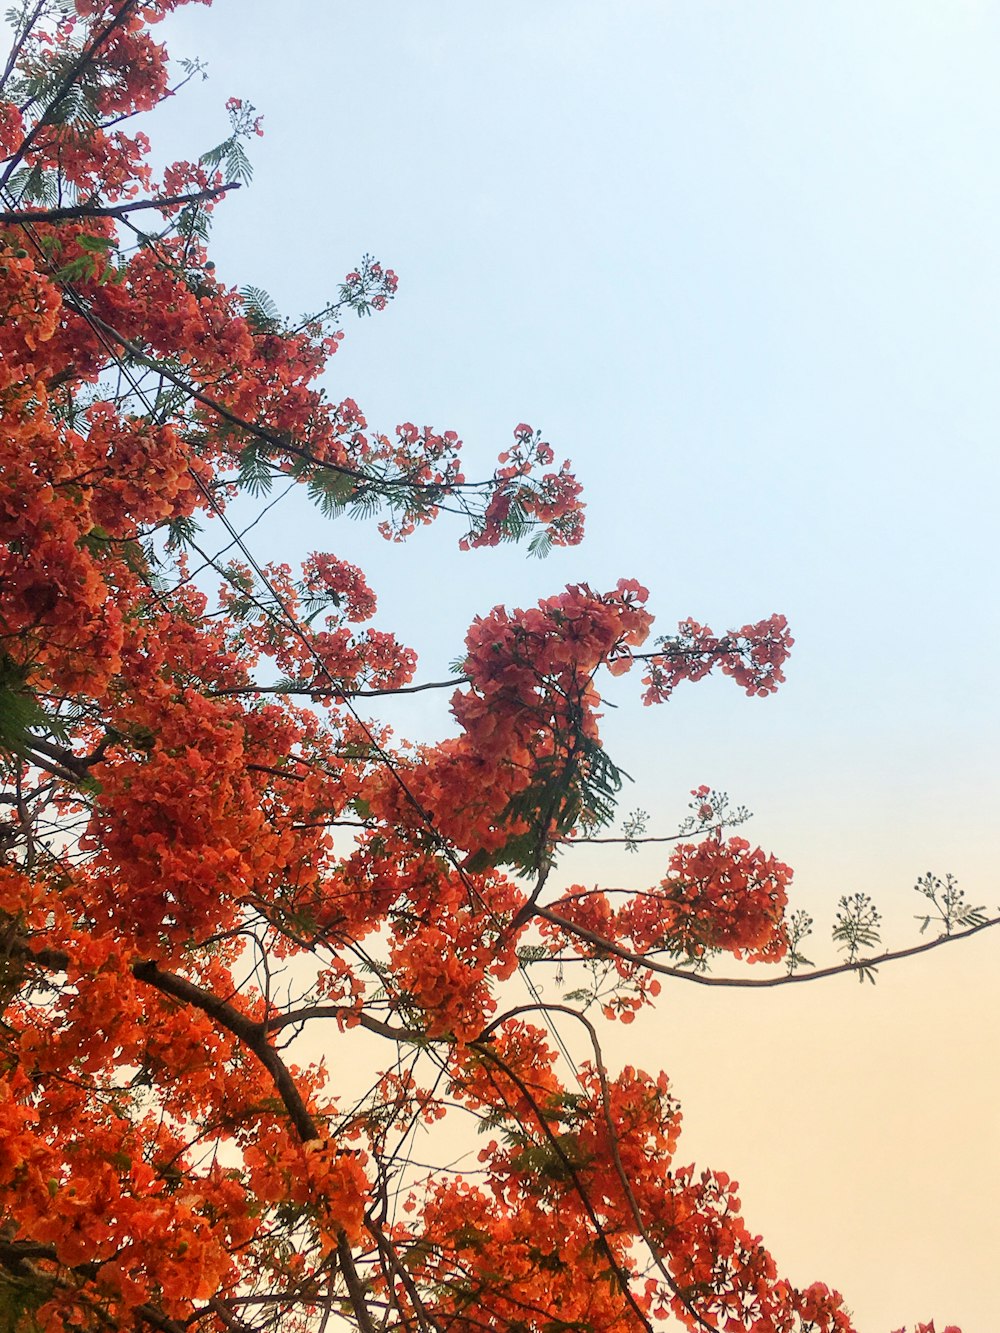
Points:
(634, 827)
(75, 107)
(260, 310)
(193, 67)
(365, 501)
(194, 223)
(601, 781)
(33, 185)
(180, 532)
(800, 925)
(255, 473)
(948, 904)
(856, 927)
(21, 715)
(97, 244)
(582, 784)
(331, 492)
(540, 545)
(231, 156)
(532, 953)
(169, 403)
(515, 523)
(93, 265)
(553, 1160)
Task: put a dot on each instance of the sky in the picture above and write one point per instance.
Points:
(739, 263)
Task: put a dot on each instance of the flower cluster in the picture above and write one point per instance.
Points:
(753, 655)
(519, 497)
(719, 895)
(518, 774)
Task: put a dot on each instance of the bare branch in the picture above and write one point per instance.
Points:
(326, 691)
(78, 211)
(700, 979)
(354, 1285)
(388, 1251)
(348, 1012)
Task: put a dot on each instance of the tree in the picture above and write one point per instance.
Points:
(209, 851)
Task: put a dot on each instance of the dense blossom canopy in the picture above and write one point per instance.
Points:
(206, 850)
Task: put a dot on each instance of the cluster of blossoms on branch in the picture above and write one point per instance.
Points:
(206, 849)
(753, 655)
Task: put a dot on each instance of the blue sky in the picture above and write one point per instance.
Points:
(739, 262)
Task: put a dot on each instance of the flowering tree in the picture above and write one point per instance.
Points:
(207, 851)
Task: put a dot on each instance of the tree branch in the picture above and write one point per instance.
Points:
(620, 1271)
(322, 691)
(10, 217)
(252, 1034)
(254, 1037)
(286, 445)
(699, 979)
(354, 1285)
(18, 1256)
(325, 691)
(388, 1251)
(600, 1068)
(346, 1011)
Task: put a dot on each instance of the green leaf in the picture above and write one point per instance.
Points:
(540, 545)
(214, 156)
(238, 165)
(180, 531)
(21, 714)
(97, 243)
(260, 309)
(255, 473)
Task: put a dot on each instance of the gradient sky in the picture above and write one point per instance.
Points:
(739, 262)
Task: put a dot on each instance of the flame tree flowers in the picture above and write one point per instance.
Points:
(194, 811)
